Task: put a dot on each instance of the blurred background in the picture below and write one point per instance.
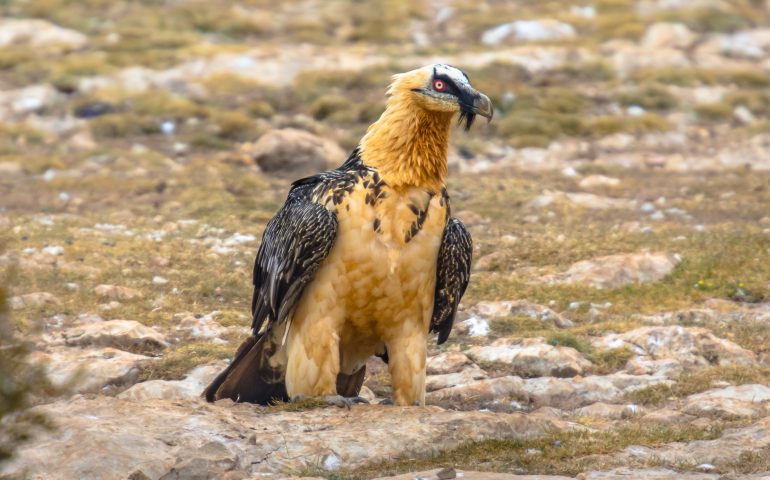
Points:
(144, 145)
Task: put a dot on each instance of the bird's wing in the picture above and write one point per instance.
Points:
(452, 274)
(294, 244)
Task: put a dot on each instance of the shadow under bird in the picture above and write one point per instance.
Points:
(363, 260)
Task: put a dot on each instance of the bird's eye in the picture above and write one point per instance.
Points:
(438, 85)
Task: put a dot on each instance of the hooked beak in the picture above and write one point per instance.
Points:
(483, 106)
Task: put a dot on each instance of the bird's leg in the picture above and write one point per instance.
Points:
(407, 368)
(313, 354)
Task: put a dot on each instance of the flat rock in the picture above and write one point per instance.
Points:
(563, 393)
(730, 403)
(471, 395)
(690, 347)
(111, 438)
(89, 370)
(446, 380)
(290, 151)
(614, 271)
(609, 410)
(447, 362)
(189, 388)
(531, 357)
(570, 393)
(122, 334)
(115, 292)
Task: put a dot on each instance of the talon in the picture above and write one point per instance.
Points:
(386, 401)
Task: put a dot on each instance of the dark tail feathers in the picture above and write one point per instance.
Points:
(244, 380)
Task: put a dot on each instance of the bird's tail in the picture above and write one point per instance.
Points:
(250, 376)
(256, 374)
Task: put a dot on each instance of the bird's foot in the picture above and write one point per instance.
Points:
(389, 401)
(334, 400)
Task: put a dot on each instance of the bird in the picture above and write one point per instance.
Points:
(362, 260)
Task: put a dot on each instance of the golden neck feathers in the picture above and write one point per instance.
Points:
(408, 144)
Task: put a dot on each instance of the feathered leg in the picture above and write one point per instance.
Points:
(407, 354)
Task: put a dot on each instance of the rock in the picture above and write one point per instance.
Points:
(26, 100)
(447, 380)
(473, 326)
(668, 35)
(110, 438)
(531, 357)
(666, 416)
(122, 334)
(570, 393)
(564, 393)
(89, 370)
(204, 326)
(469, 475)
(690, 347)
(114, 292)
(491, 262)
(472, 394)
(730, 403)
(11, 168)
(470, 218)
(447, 362)
(522, 308)
(625, 473)
(585, 200)
(627, 58)
(188, 389)
(614, 271)
(37, 299)
(646, 365)
(528, 31)
(295, 152)
(594, 181)
(744, 115)
(748, 44)
(210, 461)
(610, 411)
(38, 33)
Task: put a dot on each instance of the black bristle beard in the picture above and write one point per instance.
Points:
(466, 117)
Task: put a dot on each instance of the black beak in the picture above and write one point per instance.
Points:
(475, 104)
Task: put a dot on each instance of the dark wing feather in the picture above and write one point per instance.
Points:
(294, 244)
(452, 274)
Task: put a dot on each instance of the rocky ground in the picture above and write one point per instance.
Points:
(616, 325)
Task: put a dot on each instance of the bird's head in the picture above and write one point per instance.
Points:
(442, 88)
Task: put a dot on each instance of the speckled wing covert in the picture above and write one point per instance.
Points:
(452, 274)
(294, 244)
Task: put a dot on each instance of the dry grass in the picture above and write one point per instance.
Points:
(557, 453)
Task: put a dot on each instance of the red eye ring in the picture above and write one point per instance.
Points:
(438, 85)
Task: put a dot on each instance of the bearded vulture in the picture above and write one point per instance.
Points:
(362, 260)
